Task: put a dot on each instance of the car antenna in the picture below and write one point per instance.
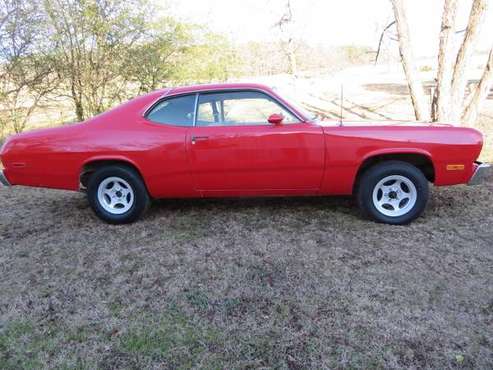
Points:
(342, 100)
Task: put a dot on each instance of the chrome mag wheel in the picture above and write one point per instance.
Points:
(394, 196)
(115, 195)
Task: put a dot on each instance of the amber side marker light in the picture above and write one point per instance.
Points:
(455, 167)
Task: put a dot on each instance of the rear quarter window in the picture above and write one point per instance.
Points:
(178, 111)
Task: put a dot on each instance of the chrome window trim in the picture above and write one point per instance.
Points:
(170, 95)
(281, 104)
(196, 110)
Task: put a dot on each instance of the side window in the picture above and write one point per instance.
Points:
(206, 114)
(177, 111)
(242, 108)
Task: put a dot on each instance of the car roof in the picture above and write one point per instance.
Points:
(221, 86)
(231, 86)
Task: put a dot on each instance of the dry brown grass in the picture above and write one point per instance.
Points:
(260, 283)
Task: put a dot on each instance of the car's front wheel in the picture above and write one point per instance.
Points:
(117, 194)
(393, 192)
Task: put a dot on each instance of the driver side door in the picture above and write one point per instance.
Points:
(234, 150)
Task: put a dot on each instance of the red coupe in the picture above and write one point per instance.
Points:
(236, 140)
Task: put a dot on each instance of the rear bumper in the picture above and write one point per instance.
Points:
(3, 180)
(483, 172)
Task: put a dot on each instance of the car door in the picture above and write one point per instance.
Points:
(235, 150)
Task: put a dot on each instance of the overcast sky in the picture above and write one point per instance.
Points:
(323, 22)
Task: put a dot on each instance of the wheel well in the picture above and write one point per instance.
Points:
(89, 168)
(421, 161)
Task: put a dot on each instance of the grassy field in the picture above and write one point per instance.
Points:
(259, 283)
(236, 284)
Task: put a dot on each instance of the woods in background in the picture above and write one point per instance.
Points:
(96, 54)
(85, 56)
(90, 55)
(452, 100)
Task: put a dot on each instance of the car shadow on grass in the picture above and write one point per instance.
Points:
(346, 205)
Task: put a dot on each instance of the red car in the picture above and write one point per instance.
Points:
(236, 140)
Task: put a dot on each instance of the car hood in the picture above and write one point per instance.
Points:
(331, 123)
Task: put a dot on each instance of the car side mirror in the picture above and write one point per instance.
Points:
(276, 119)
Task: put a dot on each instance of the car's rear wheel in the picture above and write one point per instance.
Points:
(117, 194)
(393, 192)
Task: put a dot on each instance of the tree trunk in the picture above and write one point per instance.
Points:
(289, 47)
(416, 90)
(79, 109)
(460, 80)
(441, 100)
(480, 94)
(293, 65)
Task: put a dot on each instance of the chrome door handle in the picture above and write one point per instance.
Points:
(198, 138)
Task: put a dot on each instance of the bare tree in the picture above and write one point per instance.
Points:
(285, 25)
(451, 101)
(459, 80)
(416, 90)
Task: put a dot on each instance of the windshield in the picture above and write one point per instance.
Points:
(299, 107)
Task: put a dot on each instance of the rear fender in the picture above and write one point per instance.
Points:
(111, 159)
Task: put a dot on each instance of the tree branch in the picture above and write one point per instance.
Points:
(381, 40)
(480, 93)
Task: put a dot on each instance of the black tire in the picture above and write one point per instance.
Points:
(375, 174)
(139, 202)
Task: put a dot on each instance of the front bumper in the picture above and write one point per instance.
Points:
(483, 173)
(3, 180)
